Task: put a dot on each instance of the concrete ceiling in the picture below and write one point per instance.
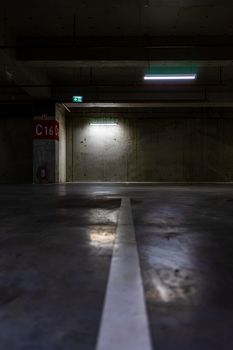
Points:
(52, 50)
(51, 18)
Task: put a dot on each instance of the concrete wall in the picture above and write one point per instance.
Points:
(153, 147)
(15, 149)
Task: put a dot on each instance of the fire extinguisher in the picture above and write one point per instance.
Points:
(42, 172)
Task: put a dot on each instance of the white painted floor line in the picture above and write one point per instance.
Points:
(124, 324)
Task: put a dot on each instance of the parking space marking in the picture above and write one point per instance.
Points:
(124, 323)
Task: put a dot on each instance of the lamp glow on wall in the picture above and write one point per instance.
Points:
(102, 130)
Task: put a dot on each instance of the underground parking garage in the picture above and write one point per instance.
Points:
(116, 172)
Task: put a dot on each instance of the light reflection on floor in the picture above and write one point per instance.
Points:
(100, 236)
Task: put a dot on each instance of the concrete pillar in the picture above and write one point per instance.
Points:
(60, 113)
(49, 163)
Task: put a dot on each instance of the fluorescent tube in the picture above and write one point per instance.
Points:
(170, 77)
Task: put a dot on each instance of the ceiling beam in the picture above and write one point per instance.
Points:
(20, 75)
(129, 49)
(186, 94)
(164, 54)
(125, 63)
(201, 104)
(127, 41)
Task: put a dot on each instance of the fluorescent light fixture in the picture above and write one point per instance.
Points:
(104, 124)
(170, 77)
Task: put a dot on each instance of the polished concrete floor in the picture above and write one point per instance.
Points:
(55, 253)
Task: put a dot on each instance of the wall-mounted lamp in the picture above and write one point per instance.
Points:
(104, 124)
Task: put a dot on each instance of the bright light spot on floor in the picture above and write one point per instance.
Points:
(164, 293)
(100, 237)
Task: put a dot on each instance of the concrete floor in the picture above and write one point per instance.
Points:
(55, 254)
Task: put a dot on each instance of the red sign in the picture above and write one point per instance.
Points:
(46, 129)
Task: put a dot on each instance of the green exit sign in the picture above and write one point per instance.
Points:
(77, 99)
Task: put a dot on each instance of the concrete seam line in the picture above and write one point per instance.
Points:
(124, 324)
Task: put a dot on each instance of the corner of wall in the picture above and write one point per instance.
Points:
(61, 153)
